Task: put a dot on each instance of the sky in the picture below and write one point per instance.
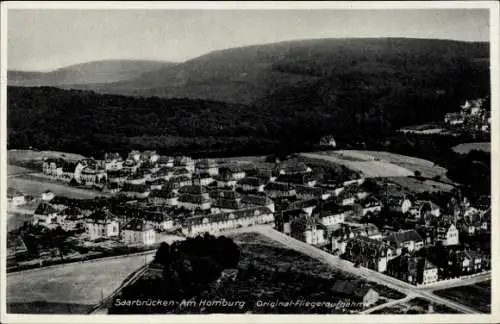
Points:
(47, 39)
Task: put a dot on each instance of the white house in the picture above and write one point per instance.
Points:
(15, 198)
(252, 184)
(448, 234)
(138, 231)
(102, 223)
(44, 214)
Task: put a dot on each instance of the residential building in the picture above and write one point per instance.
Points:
(285, 218)
(363, 295)
(165, 161)
(398, 204)
(14, 198)
(208, 166)
(117, 176)
(412, 269)
(194, 197)
(420, 209)
(370, 205)
(136, 190)
(279, 189)
(293, 168)
(70, 218)
(448, 234)
(165, 196)
(255, 200)
(225, 180)
(305, 192)
(47, 195)
(150, 157)
(236, 171)
(369, 253)
(405, 239)
(202, 179)
(138, 231)
(252, 184)
(44, 214)
(184, 162)
(297, 179)
(306, 229)
(215, 223)
(102, 223)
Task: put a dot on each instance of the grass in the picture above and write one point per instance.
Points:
(414, 185)
(465, 148)
(477, 296)
(14, 170)
(20, 157)
(77, 283)
(35, 186)
(357, 163)
(416, 306)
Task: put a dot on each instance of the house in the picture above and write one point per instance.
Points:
(420, 209)
(149, 157)
(254, 200)
(185, 162)
(113, 162)
(202, 179)
(136, 190)
(285, 218)
(215, 223)
(208, 166)
(181, 181)
(448, 234)
(194, 197)
(253, 184)
(236, 172)
(156, 184)
(279, 189)
(297, 179)
(165, 196)
(369, 253)
(225, 201)
(165, 161)
(102, 223)
(159, 221)
(305, 192)
(134, 156)
(363, 295)
(398, 204)
(476, 260)
(47, 195)
(307, 230)
(368, 230)
(412, 269)
(182, 172)
(225, 180)
(130, 166)
(44, 214)
(117, 176)
(454, 119)
(330, 214)
(68, 170)
(14, 198)
(370, 205)
(162, 173)
(328, 141)
(341, 235)
(293, 168)
(70, 218)
(408, 239)
(138, 231)
(92, 175)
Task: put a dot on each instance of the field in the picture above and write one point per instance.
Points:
(415, 185)
(21, 157)
(16, 220)
(477, 296)
(465, 148)
(35, 187)
(415, 306)
(70, 288)
(14, 170)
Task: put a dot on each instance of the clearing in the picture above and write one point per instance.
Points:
(477, 296)
(70, 288)
(33, 159)
(465, 148)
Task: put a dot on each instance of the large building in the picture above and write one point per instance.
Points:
(102, 224)
(139, 231)
(215, 223)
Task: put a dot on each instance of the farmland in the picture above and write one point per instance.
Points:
(14, 170)
(477, 295)
(33, 159)
(416, 185)
(67, 289)
(465, 148)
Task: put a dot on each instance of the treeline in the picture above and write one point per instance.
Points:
(187, 268)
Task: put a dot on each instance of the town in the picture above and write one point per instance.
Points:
(152, 198)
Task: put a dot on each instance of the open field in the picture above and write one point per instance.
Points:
(382, 164)
(370, 167)
(477, 296)
(254, 238)
(14, 170)
(415, 185)
(35, 186)
(67, 288)
(465, 148)
(22, 156)
(415, 306)
(16, 220)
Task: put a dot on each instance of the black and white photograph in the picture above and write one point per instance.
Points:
(206, 158)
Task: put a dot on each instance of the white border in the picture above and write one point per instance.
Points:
(493, 6)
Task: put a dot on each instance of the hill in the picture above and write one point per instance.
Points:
(254, 73)
(95, 72)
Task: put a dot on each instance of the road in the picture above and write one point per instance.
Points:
(389, 304)
(368, 274)
(459, 282)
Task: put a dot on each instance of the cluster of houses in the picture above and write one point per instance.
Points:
(426, 250)
(189, 197)
(472, 116)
